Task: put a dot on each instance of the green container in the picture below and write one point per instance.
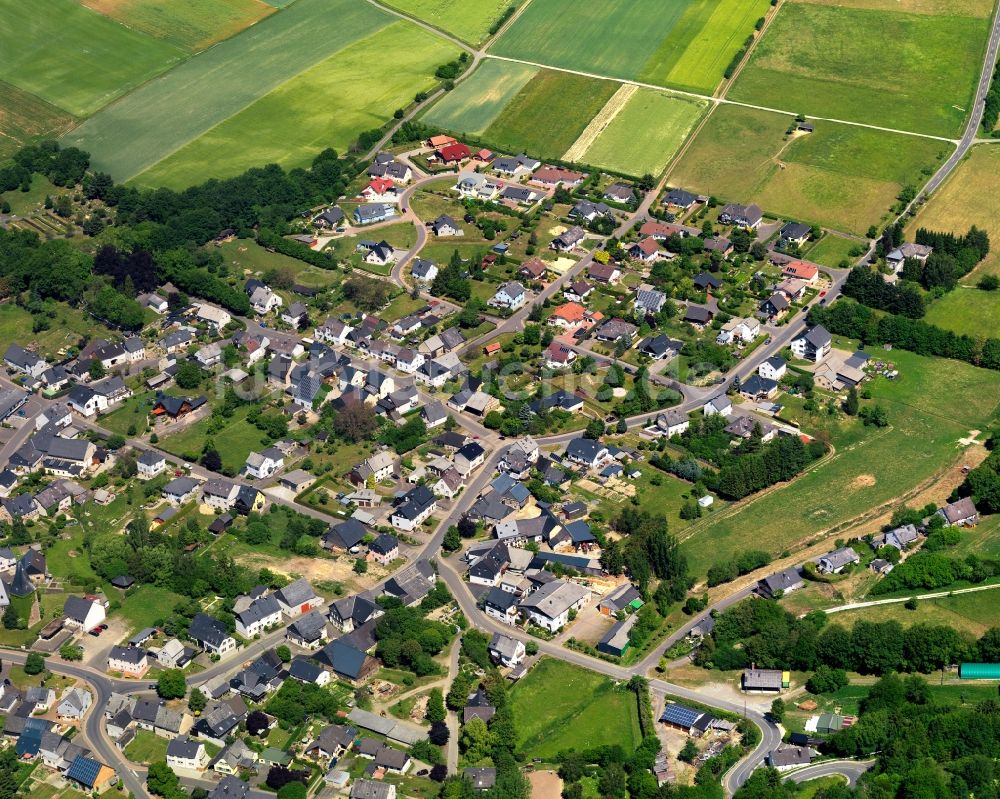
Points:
(979, 671)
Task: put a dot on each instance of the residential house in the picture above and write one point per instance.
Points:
(511, 296)
(520, 195)
(476, 186)
(835, 562)
(672, 423)
(150, 463)
(332, 742)
(261, 465)
(553, 176)
(568, 240)
(616, 329)
(295, 314)
(785, 582)
(218, 494)
(353, 611)
(370, 213)
(482, 777)
(620, 193)
(384, 549)
(813, 345)
(380, 190)
(90, 775)
(961, 513)
(211, 635)
(558, 356)
(649, 301)
(698, 315)
(332, 217)
(212, 316)
(720, 245)
(83, 613)
(186, 755)
(795, 233)
(604, 273)
(758, 388)
(549, 607)
(660, 347)
(470, 457)
(506, 651)
(180, 490)
(297, 597)
(370, 789)
(788, 757)
(453, 153)
(745, 330)
(756, 680)
(414, 508)
(898, 257)
(800, 270)
(775, 306)
(743, 426)
(516, 165)
(586, 452)
(679, 198)
(378, 467)
(423, 270)
(130, 661)
(645, 250)
(262, 613)
(308, 631)
(386, 166)
(718, 405)
(412, 584)
(588, 211)
(578, 291)
(774, 368)
(444, 225)
(18, 359)
(744, 216)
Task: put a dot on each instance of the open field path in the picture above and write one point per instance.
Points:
(897, 600)
(597, 125)
(769, 17)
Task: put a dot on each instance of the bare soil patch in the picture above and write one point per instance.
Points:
(545, 785)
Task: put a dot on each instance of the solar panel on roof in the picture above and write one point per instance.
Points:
(681, 715)
(84, 770)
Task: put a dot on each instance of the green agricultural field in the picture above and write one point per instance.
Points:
(832, 249)
(871, 467)
(972, 614)
(169, 112)
(287, 127)
(970, 196)
(559, 706)
(832, 61)
(25, 117)
(967, 310)
(477, 100)
(549, 113)
(686, 44)
(841, 176)
(192, 25)
(248, 254)
(74, 58)
(469, 21)
(645, 134)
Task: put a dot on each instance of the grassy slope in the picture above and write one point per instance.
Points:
(478, 99)
(646, 133)
(470, 22)
(560, 706)
(549, 113)
(967, 310)
(613, 39)
(192, 25)
(966, 613)
(835, 62)
(74, 58)
(24, 117)
(289, 126)
(167, 113)
(248, 254)
(971, 196)
(699, 48)
(841, 176)
(870, 467)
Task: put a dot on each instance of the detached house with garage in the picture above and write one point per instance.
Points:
(813, 345)
(510, 295)
(549, 607)
(744, 216)
(297, 598)
(211, 635)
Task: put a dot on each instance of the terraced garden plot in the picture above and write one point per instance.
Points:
(73, 58)
(167, 113)
(479, 99)
(834, 62)
(549, 113)
(841, 176)
(328, 105)
(192, 24)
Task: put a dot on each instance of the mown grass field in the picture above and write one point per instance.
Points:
(469, 21)
(831, 250)
(73, 58)
(971, 614)
(965, 8)
(248, 254)
(646, 133)
(549, 113)
(477, 100)
(192, 25)
(286, 127)
(871, 466)
(234, 441)
(967, 310)
(970, 196)
(834, 62)
(840, 176)
(686, 44)
(559, 706)
(165, 114)
(24, 117)
(983, 540)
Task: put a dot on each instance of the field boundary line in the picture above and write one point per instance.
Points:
(717, 100)
(423, 24)
(769, 16)
(612, 108)
(897, 600)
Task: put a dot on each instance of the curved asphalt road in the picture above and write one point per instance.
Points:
(851, 770)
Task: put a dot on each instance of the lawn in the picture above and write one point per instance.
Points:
(831, 250)
(469, 22)
(146, 747)
(26, 117)
(870, 468)
(970, 196)
(477, 100)
(248, 254)
(286, 127)
(148, 604)
(983, 540)
(967, 310)
(832, 61)
(686, 44)
(644, 135)
(559, 706)
(840, 176)
(234, 441)
(549, 113)
(76, 59)
(971, 614)
(193, 26)
(165, 114)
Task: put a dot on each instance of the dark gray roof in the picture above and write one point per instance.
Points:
(207, 630)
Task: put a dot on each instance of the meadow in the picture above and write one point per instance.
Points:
(248, 254)
(234, 441)
(970, 614)
(967, 310)
(165, 114)
(193, 26)
(560, 706)
(470, 22)
(831, 61)
(970, 196)
(477, 100)
(870, 468)
(549, 113)
(831, 250)
(646, 133)
(73, 58)
(686, 44)
(840, 176)
(286, 127)
(25, 117)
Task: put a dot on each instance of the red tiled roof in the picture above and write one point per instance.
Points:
(535, 267)
(800, 269)
(570, 312)
(441, 141)
(454, 152)
(551, 174)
